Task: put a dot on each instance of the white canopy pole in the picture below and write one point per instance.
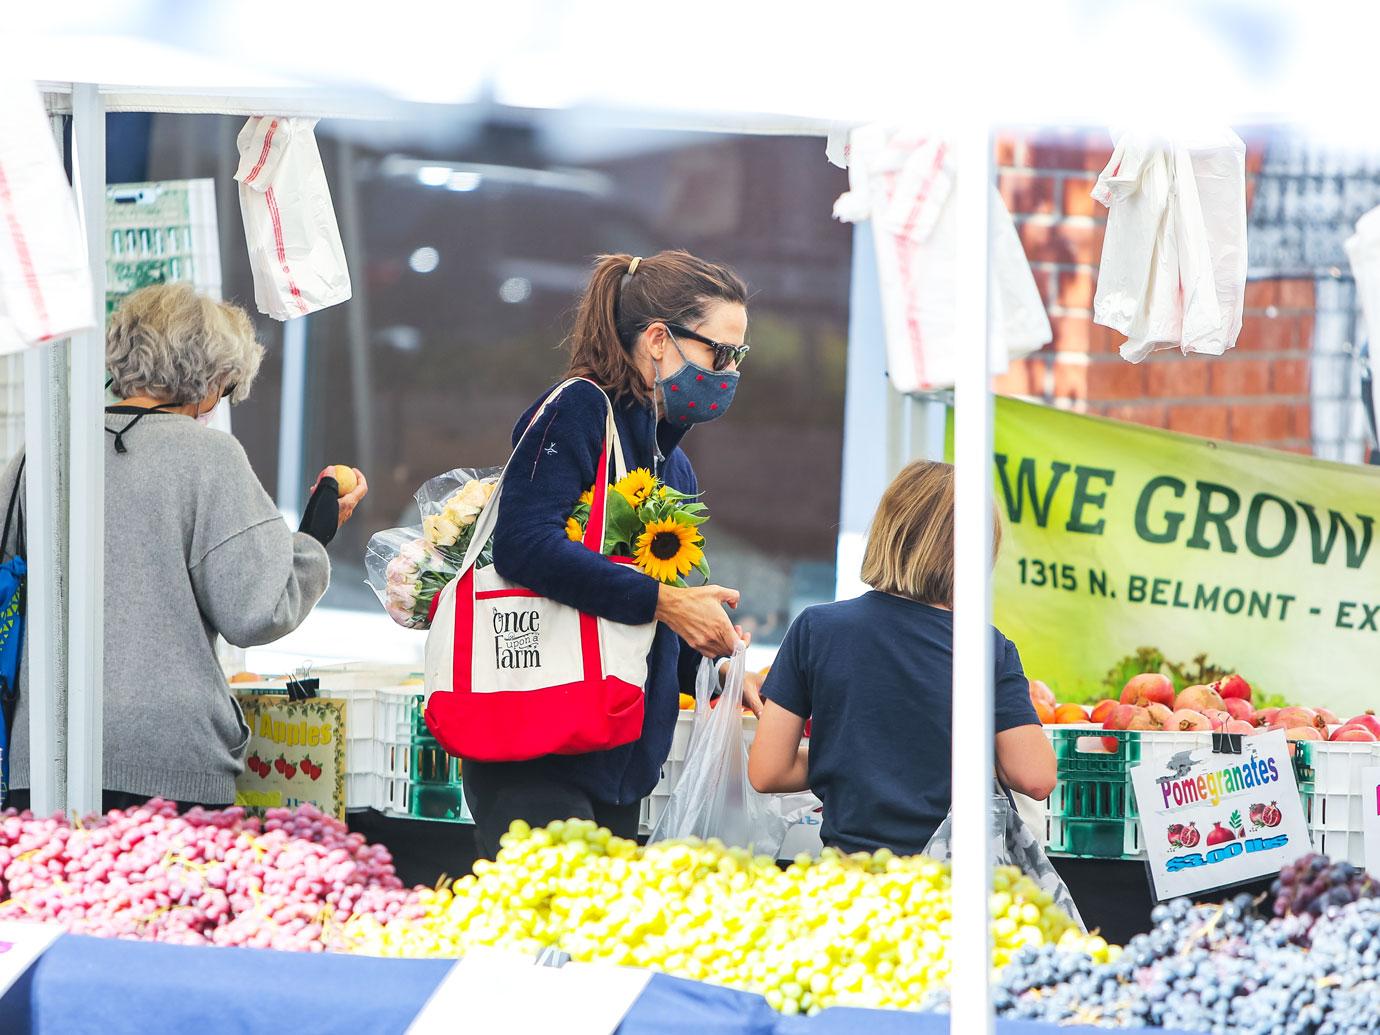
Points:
(970, 945)
(86, 639)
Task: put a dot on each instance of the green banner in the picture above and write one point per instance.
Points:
(1119, 538)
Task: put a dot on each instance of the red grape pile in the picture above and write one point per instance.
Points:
(288, 881)
(1308, 886)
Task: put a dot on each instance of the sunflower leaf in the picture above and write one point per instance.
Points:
(686, 518)
(621, 523)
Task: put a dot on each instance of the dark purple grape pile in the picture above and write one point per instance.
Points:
(1309, 886)
(1226, 969)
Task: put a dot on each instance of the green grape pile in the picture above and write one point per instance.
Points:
(855, 930)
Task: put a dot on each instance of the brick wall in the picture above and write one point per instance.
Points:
(1257, 393)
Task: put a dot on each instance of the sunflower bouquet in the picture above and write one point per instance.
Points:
(654, 524)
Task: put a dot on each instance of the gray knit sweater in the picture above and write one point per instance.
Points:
(194, 546)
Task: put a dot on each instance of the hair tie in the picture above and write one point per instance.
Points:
(632, 266)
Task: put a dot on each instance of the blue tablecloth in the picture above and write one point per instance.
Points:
(106, 987)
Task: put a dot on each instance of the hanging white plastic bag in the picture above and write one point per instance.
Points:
(1363, 250)
(294, 244)
(1013, 844)
(45, 280)
(1173, 270)
(713, 797)
(903, 182)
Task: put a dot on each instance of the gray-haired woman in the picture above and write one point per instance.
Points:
(194, 547)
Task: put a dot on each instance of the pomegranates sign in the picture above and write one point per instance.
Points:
(1212, 820)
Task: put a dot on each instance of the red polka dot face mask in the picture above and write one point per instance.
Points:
(694, 394)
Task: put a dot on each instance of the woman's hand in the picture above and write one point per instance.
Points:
(697, 615)
(351, 499)
(752, 681)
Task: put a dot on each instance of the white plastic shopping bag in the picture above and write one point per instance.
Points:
(903, 182)
(1013, 844)
(45, 280)
(1363, 250)
(713, 797)
(1173, 271)
(294, 243)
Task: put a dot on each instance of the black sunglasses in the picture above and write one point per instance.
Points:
(723, 354)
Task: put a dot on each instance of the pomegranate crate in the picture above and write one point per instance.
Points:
(1092, 812)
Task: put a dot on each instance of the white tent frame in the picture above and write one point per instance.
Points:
(68, 502)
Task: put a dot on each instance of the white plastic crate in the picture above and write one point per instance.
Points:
(1335, 802)
(396, 704)
(360, 705)
(363, 791)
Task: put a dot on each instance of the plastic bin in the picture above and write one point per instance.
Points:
(440, 802)
(1333, 799)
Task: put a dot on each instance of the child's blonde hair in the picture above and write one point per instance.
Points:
(910, 547)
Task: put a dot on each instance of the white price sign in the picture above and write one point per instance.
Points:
(1370, 817)
(20, 944)
(1211, 820)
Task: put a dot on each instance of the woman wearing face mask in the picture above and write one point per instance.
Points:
(194, 547)
(663, 337)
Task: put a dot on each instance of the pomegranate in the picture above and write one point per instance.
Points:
(1103, 709)
(1041, 692)
(1299, 732)
(1367, 721)
(1289, 717)
(1190, 835)
(1272, 817)
(1148, 688)
(1219, 835)
(1265, 717)
(1160, 715)
(1239, 708)
(1176, 833)
(1233, 688)
(1257, 814)
(1142, 719)
(1328, 716)
(1218, 719)
(1186, 720)
(1353, 735)
(1245, 729)
(1199, 699)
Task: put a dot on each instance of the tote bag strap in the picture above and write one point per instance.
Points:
(19, 550)
(594, 534)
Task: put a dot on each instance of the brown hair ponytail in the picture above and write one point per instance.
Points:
(616, 307)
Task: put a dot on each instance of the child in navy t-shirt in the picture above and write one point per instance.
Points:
(875, 676)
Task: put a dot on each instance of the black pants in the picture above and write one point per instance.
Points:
(18, 798)
(500, 792)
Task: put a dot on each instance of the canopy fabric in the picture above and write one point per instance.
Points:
(759, 67)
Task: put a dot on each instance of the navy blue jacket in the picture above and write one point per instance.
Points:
(555, 463)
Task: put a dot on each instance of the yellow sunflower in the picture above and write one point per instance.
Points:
(636, 487)
(667, 550)
(573, 530)
(587, 497)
